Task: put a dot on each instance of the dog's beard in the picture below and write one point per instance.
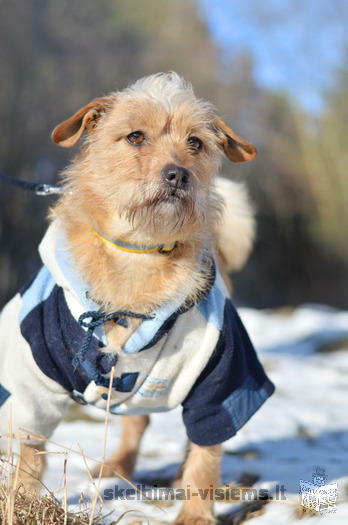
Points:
(163, 211)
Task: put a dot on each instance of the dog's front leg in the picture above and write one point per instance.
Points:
(200, 478)
(122, 461)
(31, 465)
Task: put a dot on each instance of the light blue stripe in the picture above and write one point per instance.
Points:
(137, 411)
(67, 266)
(245, 401)
(145, 391)
(212, 307)
(148, 329)
(38, 292)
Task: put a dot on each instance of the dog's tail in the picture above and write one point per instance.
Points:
(236, 229)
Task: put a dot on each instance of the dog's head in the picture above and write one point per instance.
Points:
(150, 155)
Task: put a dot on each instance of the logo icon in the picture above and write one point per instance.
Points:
(316, 495)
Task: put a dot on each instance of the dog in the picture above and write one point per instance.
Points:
(131, 309)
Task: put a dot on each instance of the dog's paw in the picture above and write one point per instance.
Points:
(30, 485)
(189, 519)
(122, 468)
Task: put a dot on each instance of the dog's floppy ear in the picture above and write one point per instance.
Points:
(67, 133)
(236, 149)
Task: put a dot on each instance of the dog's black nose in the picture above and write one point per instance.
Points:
(175, 176)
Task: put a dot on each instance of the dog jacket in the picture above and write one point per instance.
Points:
(200, 357)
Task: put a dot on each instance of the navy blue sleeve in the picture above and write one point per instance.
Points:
(231, 388)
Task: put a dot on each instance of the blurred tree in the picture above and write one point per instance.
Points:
(300, 188)
(325, 158)
(56, 56)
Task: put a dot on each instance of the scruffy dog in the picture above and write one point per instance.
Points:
(130, 288)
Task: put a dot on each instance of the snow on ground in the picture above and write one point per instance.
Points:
(303, 426)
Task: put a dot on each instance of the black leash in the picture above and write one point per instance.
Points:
(43, 190)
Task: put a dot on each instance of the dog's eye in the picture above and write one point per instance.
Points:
(136, 138)
(195, 143)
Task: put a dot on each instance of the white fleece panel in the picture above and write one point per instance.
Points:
(36, 403)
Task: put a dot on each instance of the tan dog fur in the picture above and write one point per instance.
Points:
(117, 188)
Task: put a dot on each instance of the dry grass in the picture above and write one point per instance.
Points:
(19, 507)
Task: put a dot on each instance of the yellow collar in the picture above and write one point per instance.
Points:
(120, 244)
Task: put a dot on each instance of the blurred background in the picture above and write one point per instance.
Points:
(277, 71)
